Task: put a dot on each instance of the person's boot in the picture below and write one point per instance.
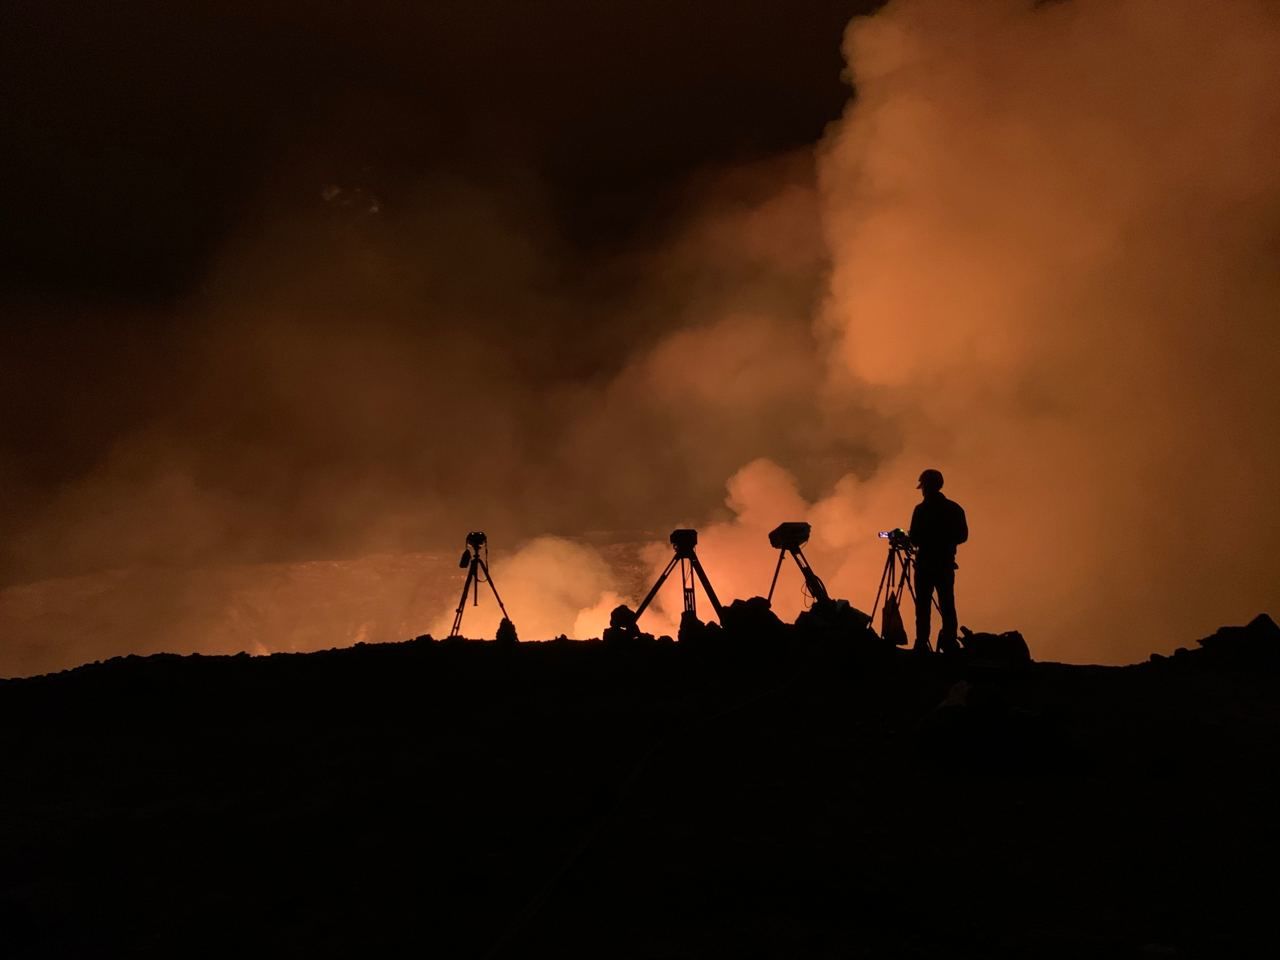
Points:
(922, 646)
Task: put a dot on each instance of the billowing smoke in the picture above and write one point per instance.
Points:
(1038, 252)
(1054, 234)
(356, 389)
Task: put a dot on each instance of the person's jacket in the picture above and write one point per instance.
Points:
(938, 525)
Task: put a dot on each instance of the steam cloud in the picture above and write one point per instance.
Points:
(1039, 252)
(1054, 234)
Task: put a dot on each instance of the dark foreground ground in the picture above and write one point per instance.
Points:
(573, 800)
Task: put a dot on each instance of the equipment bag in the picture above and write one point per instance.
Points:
(891, 627)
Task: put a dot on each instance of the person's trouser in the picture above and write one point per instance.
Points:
(940, 579)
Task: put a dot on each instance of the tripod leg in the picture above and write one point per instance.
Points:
(686, 589)
(489, 577)
(886, 576)
(706, 585)
(817, 589)
(774, 582)
(462, 603)
(908, 581)
(656, 587)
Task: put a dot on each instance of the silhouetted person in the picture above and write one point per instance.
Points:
(938, 526)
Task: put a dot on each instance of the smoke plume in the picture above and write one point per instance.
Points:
(1053, 235)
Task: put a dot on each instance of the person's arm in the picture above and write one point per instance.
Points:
(915, 531)
(962, 525)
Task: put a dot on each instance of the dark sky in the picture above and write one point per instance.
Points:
(161, 183)
(137, 134)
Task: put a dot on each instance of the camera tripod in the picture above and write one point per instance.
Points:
(476, 566)
(683, 542)
(899, 566)
(790, 538)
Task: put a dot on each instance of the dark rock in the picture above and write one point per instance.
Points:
(622, 629)
(616, 635)
(692, 630)
(836, 618)
(974, 729)
(1003, 649)
(507, 635)
(1256, 644)
(753, 620)
(696, 635)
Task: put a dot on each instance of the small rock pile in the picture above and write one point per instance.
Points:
(1253, 646)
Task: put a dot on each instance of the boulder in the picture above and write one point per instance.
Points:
(507, 635)
(1255, 644)
(622, 629)
(1004, 649)
(752, 620)
(835, 618)
(692, 630)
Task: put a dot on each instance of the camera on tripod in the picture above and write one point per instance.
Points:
(477, 567)
(789, 536)
(475, 540)
(898, 539)
(683, 541)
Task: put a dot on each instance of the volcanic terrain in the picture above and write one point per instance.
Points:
(742, 798)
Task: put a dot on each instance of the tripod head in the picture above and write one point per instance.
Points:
(683, 541)
(475, 540)
(789, 536)
(899, 541)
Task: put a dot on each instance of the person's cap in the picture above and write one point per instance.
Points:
(931, 480)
